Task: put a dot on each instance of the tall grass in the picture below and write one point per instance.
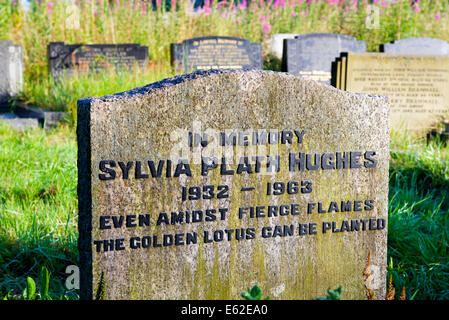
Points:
(418, 228)
(136, 21)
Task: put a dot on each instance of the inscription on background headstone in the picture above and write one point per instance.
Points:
(63, 58)
(418, 85)
(416, 46)
(11, 72)
(311, 55)
(264, 178)
(215, 53)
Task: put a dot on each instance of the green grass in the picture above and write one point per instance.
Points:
(38, 205)
(418, 231)
(38, 212)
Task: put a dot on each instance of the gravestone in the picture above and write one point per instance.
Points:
(416, 46)
(202, 185)
(418, 85)
(64, 59)
(311, 55)
(11, 72)
(277, 43)
(211, 52)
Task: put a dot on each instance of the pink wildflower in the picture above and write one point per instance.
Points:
(143, 9)
(279, 3)
(437, 16)
(243, 5)
(266, 28)
(50, 5)
(384, 4)
(293, 14)
(416, 7)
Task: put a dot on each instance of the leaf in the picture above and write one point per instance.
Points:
(256, 293)
(30, 289)
(247, 295)
(332, 294)
(45, 282)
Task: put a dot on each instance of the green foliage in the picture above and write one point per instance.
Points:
(30, 292)
(332, 294)
(253, 294)
(38, 206)
(418, 226)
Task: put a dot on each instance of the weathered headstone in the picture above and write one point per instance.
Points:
(11, 72)
(418, 85)
(64, 59)
(416, 46)
(311, 55)
(206, 53)
(202, 185)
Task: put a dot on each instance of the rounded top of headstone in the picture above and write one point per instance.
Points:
(213, 37)
(325, 35)
(250, 75)
(418, 45)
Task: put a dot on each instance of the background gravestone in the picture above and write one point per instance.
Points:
(277, 43)
(311, 55)
(418, 85)
(63, 58)
(11, 72)
(416, 46)
(295, 202)
(215, 53)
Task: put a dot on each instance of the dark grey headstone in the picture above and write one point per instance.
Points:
(11, 72)
(311, 55)
(416, 46)
(215, 53)
(63, 58)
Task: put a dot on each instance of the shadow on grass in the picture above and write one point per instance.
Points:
(22, 259)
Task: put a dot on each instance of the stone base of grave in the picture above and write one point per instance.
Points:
(47, 119)
(18, 123)
(23, 117)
